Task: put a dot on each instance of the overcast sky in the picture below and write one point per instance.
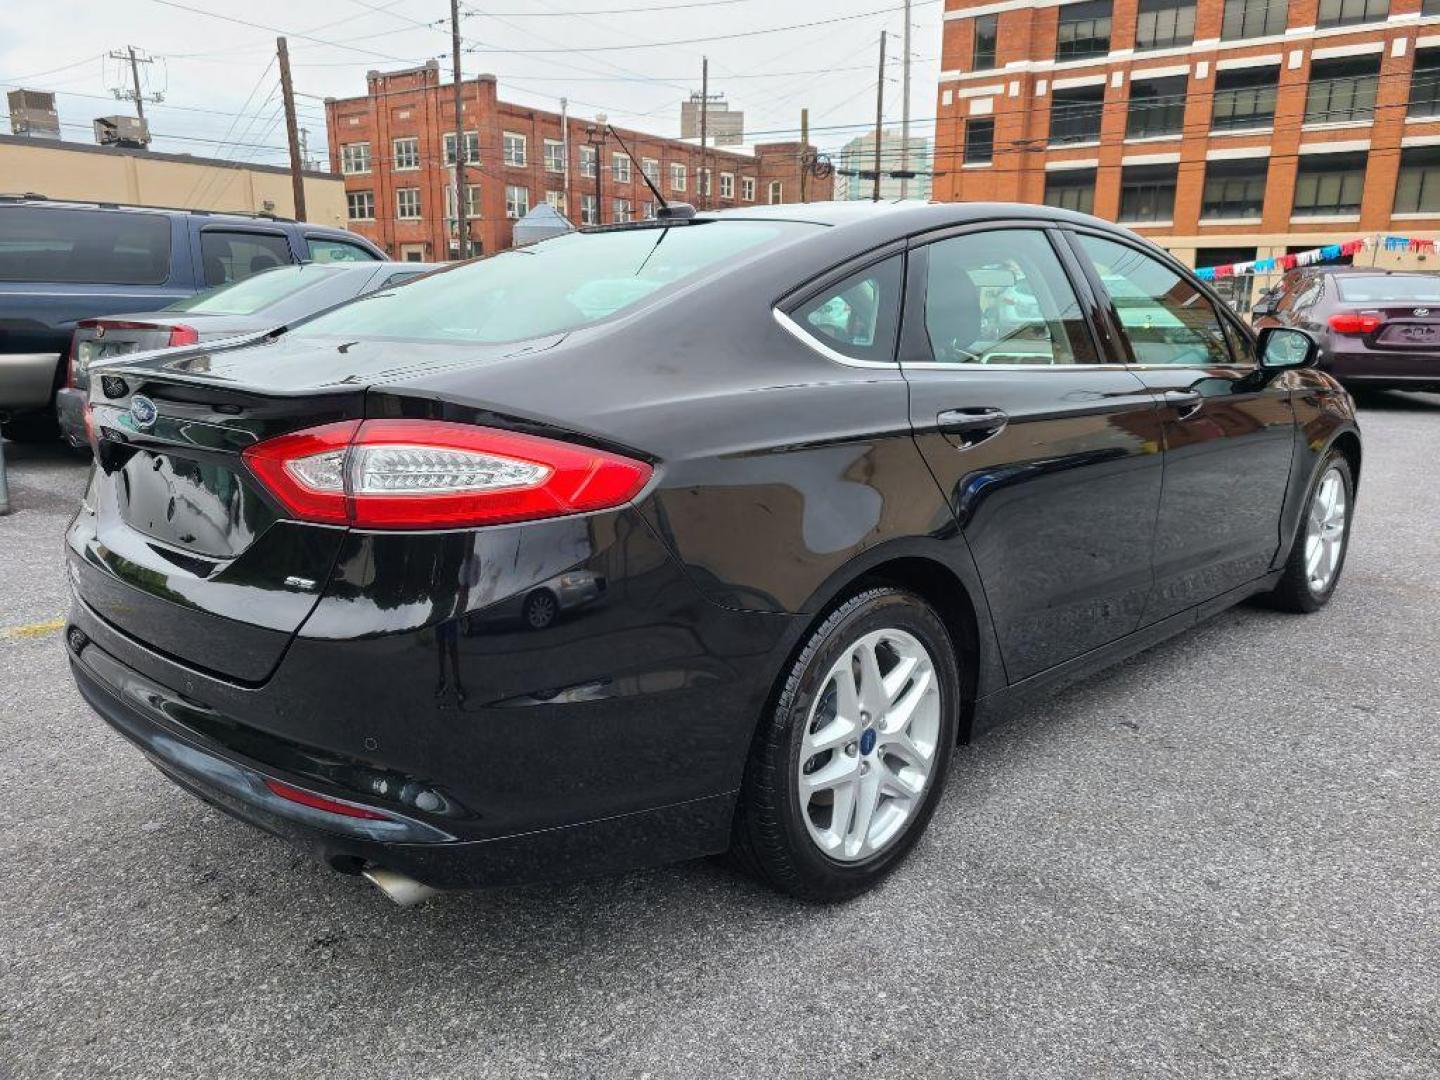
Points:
(622, 57)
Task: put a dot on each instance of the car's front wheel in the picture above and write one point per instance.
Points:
(846, 771)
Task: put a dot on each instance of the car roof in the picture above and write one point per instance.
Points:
(903, 215)
(32, 199)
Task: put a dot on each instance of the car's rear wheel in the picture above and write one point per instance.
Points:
(846, 771)
(1318, 553)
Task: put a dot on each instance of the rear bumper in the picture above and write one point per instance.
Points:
(1379, 368)
(26, 380)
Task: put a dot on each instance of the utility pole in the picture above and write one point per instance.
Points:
(703, 178)
(565, 149)
(135, 94)
(599, 143)
(905, 110)
(879, 118)
(292, 130)
(462, 223)
(804, 154)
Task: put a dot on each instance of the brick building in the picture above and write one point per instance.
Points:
(395, 148)
(1225, 130)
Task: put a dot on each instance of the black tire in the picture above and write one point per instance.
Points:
(770, 838)
(1293, 592)
(541, 609)
(31, 427)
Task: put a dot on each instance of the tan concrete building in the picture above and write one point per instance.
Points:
(73, 170)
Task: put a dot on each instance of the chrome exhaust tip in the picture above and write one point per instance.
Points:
(407, 892)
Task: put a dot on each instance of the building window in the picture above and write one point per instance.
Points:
(702, 181)
(1417, 191)
(517, 201)
(1342, 90)
(1244, 98)
(1075, 114)
(407, 154)
(777, 192)
(979, 141)
(1071, 189)
(472, 148)
(589, 210)
(620, 168)
(554, 156)
(472, 201)
(1329, 184)
(1234, 189)
(1253, 18)
(1430, 7)
(1165, 24)
(982, 53)
(1425, 82)
(677, 176)
(647, 209)
(1346, 12)
(747, 188)
(556, 201)
(360, 205)
(1147, 192)
(727, 185)
(651, 168)
(1157, 107)
(620, 210)
(355, 158)
(514, 149)
(1084, 30)
(589, 156)
(407, 203)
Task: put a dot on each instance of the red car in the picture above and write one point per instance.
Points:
(1377, 328)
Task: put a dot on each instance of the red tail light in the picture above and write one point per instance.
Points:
(184, 335)
(1355, 322)
(70, 365)
(430, 474)
(320, 802)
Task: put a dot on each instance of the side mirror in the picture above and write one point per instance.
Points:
(1286, 347)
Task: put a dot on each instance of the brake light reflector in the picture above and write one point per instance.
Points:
(426, 474)
(320, 802)
(1355, 322)
(184, 335)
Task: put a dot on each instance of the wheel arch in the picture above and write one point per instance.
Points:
(1348, 443)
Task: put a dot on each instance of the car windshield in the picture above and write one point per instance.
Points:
(553, 286)
(1378, 288)
(254, 293)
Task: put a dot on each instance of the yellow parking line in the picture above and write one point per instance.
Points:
(33, 630)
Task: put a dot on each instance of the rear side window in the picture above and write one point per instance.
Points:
(234, 256)
(109, 247)
(1001, 298)
(324, 249)
(1165, 317)
(857, 317)
(1379, 288)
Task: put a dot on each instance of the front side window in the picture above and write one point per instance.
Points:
(1084, 30)
(1234, 189)
(982, 55)
(1329, 184)
(517, 201)
(1342, 90)
(1417, 189)
(1147, 192)
(1075, 113)
(407, 203)
(50, 244)
(1253, 18)
(857, 317)
(1245, 98)
(324, 249)
(1165, 24)
(1347, 12)
(355, 158)
(234, 256)
(1165, 317)
(554, 156)
(1071, 189)
(360, 205)
(979, 141)
(407, 154)
(1001, 298)
(1157, 107)
(513, 145)
(555, 285)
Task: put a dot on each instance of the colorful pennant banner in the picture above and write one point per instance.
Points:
(1328, 253)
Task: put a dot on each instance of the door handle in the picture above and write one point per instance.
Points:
(1186, 403)
(966, 427)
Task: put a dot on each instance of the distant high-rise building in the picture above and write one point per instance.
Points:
(855, 167)
(724, 126)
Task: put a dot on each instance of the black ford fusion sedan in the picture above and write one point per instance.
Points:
(713, 533)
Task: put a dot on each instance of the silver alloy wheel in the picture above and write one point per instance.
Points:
(870, 745)
(1325, 531)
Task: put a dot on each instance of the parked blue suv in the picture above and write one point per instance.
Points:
(65, 261)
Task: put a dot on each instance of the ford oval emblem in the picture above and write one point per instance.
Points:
(143, 412)
(1422, 311)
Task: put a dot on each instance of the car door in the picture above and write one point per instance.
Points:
(1228, 427)
(1050, 460)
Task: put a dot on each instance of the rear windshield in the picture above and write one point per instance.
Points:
(556, 285)
(1365, 289)
(111, 247)
(254, 293)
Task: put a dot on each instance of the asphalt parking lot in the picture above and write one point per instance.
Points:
(1221, 859)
